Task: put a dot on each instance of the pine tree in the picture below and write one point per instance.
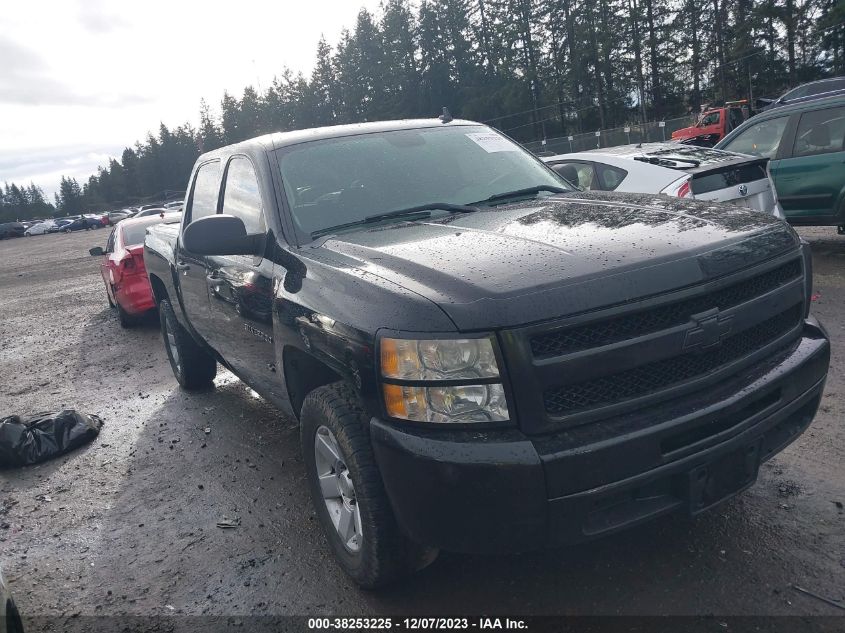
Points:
(533, 68)
(323, 86)
(210, 137)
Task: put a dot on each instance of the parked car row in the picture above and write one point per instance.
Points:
(88, 221)
(144, 210)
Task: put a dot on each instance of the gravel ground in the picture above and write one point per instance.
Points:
(130, 525)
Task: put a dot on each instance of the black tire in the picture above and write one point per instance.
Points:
(67, 230)
(195, 368)
(385, 554)
(126, 320)
(13, 618)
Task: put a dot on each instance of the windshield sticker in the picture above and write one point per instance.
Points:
(491, 142)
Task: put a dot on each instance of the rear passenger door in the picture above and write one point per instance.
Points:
(241, 287)
(810, 177)
(203, 201)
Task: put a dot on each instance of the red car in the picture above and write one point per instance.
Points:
(122, 267)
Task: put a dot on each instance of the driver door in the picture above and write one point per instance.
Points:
(241, 288)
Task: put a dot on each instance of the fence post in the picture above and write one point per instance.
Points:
(628, 134)
(598, 139)
(662, 125)
(569, 138)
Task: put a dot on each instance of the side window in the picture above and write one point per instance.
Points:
(820, 132)
(761, 139)
(734, 118)
(579, 174)
(710, 119)
(611, 177)
(241, 197)
(799, 92)
(110, 242)
(825, 86)
(206, 188)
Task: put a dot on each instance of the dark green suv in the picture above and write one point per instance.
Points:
(806, 144)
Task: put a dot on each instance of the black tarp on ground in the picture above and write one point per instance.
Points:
(42, 436)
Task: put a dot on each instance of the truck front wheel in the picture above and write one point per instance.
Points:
(193, 367)
(347, 491)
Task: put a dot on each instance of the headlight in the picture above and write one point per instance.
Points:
(439, 362)
(454, 359)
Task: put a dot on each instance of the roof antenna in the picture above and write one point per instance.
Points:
(446, 117)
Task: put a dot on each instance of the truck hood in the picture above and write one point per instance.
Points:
(687, 132)
(523, 263)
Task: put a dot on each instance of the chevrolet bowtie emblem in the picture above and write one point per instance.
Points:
(709, 330)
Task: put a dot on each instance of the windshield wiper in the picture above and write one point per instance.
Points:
(431, 206)
(518, 193)
(423, 210)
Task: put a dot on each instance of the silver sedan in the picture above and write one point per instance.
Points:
(673, 169)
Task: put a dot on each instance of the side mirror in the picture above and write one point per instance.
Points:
(220, 235)
(97, 251)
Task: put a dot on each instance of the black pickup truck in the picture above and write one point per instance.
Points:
(482, 357)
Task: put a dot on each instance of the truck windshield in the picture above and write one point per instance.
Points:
(344, 180)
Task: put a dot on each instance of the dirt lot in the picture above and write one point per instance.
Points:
(130, 524)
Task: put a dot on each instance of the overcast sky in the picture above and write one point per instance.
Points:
(82, 79)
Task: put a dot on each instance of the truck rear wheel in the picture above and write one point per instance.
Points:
(348, 494)
(193, 367)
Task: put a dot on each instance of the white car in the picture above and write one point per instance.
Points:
(675, 169)
(38, 229)
(117, 216)
(152, 211)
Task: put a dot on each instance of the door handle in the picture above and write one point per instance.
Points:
(182, 266)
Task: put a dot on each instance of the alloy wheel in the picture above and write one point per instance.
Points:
(170, 339)
(338, 489)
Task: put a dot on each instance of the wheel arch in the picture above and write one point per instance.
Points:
(303, 373)
(159, 289)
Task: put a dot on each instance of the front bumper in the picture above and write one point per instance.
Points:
(504, 491)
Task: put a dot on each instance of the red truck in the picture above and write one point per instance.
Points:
(714, 124)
